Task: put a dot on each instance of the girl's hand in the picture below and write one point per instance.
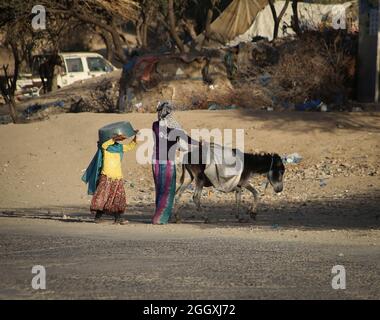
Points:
(135, 137)
(119, 137)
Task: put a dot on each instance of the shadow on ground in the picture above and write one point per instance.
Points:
(359, 212)
(323, 121)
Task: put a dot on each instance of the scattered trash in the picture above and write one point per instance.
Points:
(292, 158)
(323, 107)
(39, 107)
(357, 109)
(179, 72)
(311, 105)
(270, 109)
(322, 183)
(138, 105)
(215, 106)
(264, 79)
(275, 226)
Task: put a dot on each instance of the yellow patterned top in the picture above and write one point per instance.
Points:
(112, 161)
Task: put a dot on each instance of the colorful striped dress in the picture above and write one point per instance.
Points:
(164, 174)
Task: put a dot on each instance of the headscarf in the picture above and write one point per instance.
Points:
(165, 116)
(92, 173)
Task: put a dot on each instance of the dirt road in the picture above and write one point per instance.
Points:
(84, 260)
(327, 214)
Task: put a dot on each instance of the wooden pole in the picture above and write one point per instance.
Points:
(369, 51)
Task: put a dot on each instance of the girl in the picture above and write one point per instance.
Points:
(105, 179)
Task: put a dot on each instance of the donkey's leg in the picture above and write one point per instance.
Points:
(238, 193)
(197, 195)
(185, 181)
(252, 210)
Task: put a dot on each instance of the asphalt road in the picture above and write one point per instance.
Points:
(140, 261)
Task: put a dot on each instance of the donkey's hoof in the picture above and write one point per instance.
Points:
(253, 215)
(207, 220)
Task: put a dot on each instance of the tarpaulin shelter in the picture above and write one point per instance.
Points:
(237, 18)
(234, 20)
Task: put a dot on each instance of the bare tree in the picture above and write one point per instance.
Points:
(173, 26)
(8, 85)
(277, 19)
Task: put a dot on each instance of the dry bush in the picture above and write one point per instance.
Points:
(319, 65)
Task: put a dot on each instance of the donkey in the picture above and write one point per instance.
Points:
(269, 164)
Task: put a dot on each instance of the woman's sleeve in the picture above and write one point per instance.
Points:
(108, 143)
(130, 146)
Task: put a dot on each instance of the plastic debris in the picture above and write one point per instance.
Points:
(322, 183)
(312, 105)
(264, 79)
(292, 158)
(38, 107)
(215, 106)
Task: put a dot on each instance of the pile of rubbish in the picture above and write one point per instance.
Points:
(103, 99)
(314, 72)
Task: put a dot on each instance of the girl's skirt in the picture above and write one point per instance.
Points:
(165, 182)
(109, 196)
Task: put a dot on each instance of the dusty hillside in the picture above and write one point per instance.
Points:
(42, 162)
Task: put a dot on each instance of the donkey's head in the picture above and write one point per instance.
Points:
(276, 173)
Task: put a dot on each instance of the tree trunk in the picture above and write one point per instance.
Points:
(108, 43)
(138, 32)
(172, 26)
(12, 109)
(295, 19)
(189, 26)
(145, 34)
(210, 13)
(277, 19)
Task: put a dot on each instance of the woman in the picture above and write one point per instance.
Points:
(168, 133)
(108, 187)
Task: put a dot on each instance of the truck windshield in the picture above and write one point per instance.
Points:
(98, 64)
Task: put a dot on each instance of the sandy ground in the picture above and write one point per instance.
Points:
(329, 207)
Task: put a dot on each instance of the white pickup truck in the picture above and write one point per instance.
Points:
(82, 65)
(76, 66)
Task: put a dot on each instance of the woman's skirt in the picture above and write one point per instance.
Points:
(165, 182)
(109, 196)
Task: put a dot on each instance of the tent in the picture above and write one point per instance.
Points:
(310, 16)
(243, 20)
(235, 19)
